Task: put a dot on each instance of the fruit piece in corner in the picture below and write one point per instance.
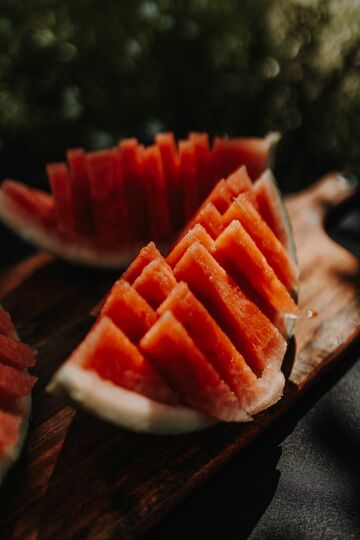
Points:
(15, 392)
(197, 337)
(105, 205)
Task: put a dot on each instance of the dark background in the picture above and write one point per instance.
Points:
(86, 73)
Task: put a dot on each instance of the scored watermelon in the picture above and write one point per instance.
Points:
(105, 205)
(15, 388)
(209, 319)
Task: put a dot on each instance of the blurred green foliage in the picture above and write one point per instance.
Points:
(85, 73)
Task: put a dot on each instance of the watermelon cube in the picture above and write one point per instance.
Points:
(196, 234)
(109, 352)
(275, 253)
(155, 282)
(254, 336)
(146, 255)
(156, 194)
(235, 244)
(15, 383)
(128, 310)
(105, 199)
(210, 339)
(188, 372)
(80, 191)
(132, 173)
(60, 186)
(170, 161)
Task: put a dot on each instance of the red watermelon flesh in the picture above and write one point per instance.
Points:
(14, 383)
(128, 311)
(210, 219)
(239, 182)
(238, 277)
(254, 336)
(80, 190)
(196, 234)
(185, 368)
(6, 326)
(229, 154)
(156, 194)
(210, 339)
(235, 244)
(221, 196)
(131, 159)
(38, 204)
(271, 208)
(104, 195)
(146, 255)
(9, 431)
(60, 186)
(203, 161)
(273, 250)
(188, 179)
(155, 282)
(154, 190)
(170, 161)
(14, 353)
(109, 352)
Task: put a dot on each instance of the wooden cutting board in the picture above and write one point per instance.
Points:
(80, 478)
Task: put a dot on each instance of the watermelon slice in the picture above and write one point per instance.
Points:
(15, 392)
(205, 320)
(105, 205)
(273, 211)
(80, 191)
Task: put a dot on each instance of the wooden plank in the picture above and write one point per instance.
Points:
(80, 478)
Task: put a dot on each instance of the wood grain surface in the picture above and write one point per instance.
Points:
(80, 478)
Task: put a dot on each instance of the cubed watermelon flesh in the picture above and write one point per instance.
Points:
(15, 387)
(273, 250)
(128, 310)
(170, 161)
(155, 282)
(60, 186)
(110, 353)
(188, 184)
(235, 244)
(205, 319)
(131, 171)
(196, 234)
(105, 196)
(14, 383)
(14, 353)
(251, 332)
(203, 162)
(102, 203)
(80, 190)
(186, 369)
(210, 339)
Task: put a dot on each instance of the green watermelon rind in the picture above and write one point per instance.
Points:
(121, 407)
(32, 232)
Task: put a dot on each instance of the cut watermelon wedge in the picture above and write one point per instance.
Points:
(15, 392)
(202, 323)
(105, 205)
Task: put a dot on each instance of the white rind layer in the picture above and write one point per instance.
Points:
(80, 253)
(122, 407)
(13, 452)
